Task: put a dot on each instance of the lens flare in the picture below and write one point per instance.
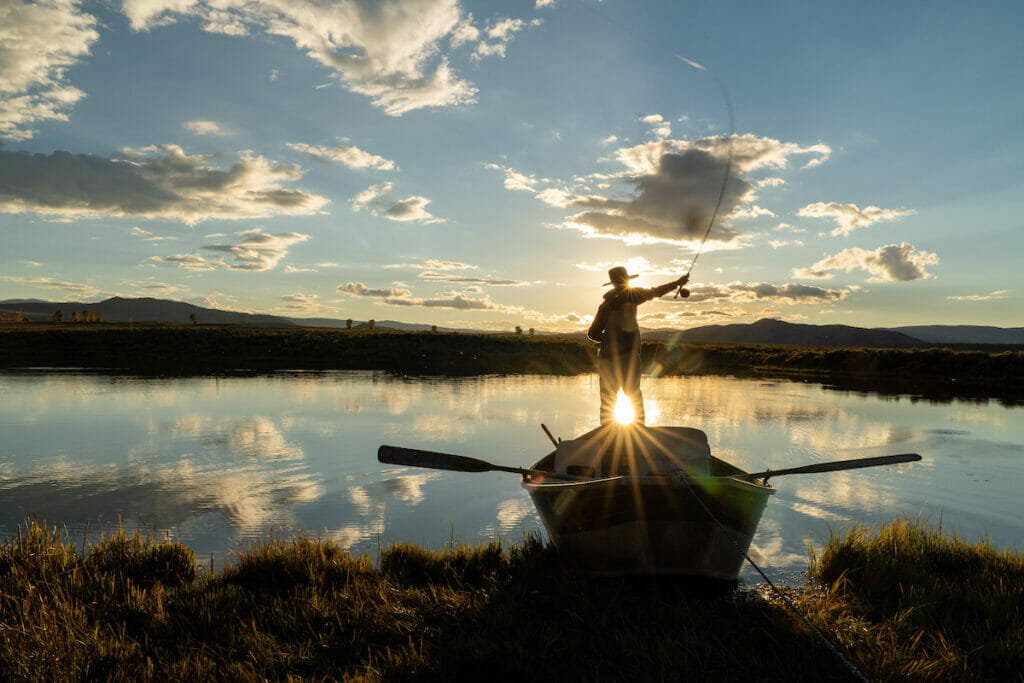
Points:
(624, 413)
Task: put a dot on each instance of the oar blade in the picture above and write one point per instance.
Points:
(838, 465)
(413, 457)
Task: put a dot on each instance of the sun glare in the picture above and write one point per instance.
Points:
(624, 414)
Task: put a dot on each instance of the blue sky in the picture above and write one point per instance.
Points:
(482, 164)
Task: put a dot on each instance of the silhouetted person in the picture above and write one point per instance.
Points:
(616, 329)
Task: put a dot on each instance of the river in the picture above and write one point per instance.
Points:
(221, 462)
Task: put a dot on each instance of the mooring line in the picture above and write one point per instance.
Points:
(778, 592)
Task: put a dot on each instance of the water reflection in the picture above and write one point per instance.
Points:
(219, 462)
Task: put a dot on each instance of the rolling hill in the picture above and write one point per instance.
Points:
(765, 331)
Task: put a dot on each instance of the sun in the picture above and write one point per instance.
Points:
(624, 413)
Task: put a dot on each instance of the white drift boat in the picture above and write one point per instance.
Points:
(647, 500)
(630, 499)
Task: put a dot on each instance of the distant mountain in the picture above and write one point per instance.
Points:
(964, 334)
(767, 331)
(118, 309)
(362, 324)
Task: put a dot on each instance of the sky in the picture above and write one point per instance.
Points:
(483, 164)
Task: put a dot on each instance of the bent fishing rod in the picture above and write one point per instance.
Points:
(682, 291)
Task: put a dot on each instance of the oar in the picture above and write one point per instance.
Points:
(836, 466)
(412, 457)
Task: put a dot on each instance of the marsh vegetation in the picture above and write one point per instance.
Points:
(937, 372)
(903, 602)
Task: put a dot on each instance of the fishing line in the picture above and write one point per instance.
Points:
(728, 138)
(711, 223)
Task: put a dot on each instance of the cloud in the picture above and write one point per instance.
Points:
(379, 199)
(150, 287)
(154, 182)
(359, 289)
(440, 277)
(348, 155)
(675, 186)
(39, 42)
(205, 128)
(514, 180)
(75, 288)
(255, 251)
(999, 294)
(146, 14)
(638, 265)
(146, 235)
(502, 32)
(672, 201)
(388, 50)
(301, 303)
(659, 126)
(751, 292)
(752, 211)
(891, 263)
(434, 264)
(848, 217)
(454, 300)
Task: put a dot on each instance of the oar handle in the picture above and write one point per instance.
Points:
(412, 457)
(837, 466)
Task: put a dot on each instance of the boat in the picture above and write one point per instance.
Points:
(631, 499)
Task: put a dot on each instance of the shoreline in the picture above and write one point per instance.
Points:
(931, 372)
(901, 601)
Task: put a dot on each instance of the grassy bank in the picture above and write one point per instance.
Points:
(185, 349)
(903, 603)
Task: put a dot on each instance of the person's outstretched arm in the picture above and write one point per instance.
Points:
(655, 292)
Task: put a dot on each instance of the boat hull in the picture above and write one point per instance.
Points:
(666, 524)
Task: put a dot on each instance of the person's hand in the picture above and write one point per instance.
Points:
(683, 280)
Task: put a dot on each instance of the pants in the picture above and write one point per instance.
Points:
(621, 371)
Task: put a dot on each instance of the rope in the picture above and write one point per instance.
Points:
(785, 598)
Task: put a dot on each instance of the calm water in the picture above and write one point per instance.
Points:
(220, 462)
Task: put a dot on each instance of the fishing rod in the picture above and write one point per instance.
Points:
(683, 292)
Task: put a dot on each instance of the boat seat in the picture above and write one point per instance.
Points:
(641, 451)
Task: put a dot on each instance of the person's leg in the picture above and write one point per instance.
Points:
(609, 386)
(631, 387)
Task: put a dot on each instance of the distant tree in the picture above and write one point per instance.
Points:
(531, 331)
(348, 324)
(194, 318)
(16, 317)
(75, 317)
(519, 330)
(97, 317)
(372, 324)
(433, 328)
(58, 316)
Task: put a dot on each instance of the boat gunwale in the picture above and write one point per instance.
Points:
(529, 484)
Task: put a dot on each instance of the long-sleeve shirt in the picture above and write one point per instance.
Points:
(615, 326)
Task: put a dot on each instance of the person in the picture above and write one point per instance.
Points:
(616, 330)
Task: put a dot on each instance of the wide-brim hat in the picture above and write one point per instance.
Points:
(618, 275)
